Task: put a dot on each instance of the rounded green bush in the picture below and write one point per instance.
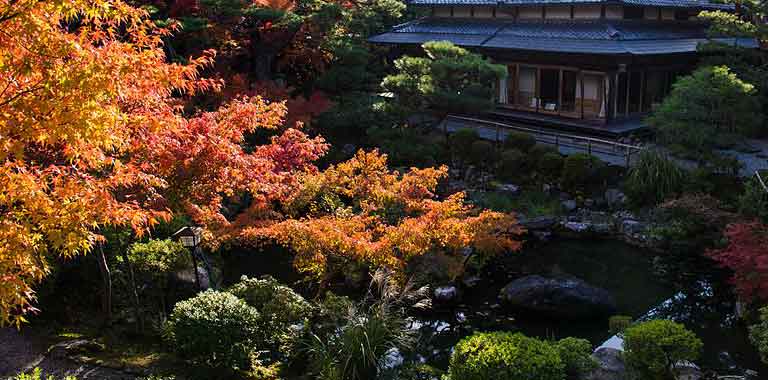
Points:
(652, 348)
(505, 356)
(215, 330)
(482, 153)
(159, 257)
(461, 141)
(577, 169)
(279, 308)
(758, 334)
(511, 164)
(576, 355)
(550, 164)
(539, 150)
(519, 140)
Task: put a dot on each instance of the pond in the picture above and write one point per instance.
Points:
(627, 272)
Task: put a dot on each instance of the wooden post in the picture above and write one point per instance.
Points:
(560, 92)
(642, 91)
(537, 91)
(581, 78)
(628, 155)
(629, 82)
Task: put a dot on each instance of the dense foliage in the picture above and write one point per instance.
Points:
(350, 341)
(282, 312)
(653, 348)
(705, 108)
(159, 257)
(505, 356)
(448, 79)
(37, 374)
(654, 178)
(576, 354)
(361, 211)
(758, 334)
(215, 330)
(747, 256)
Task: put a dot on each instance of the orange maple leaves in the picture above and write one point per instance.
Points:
(92, 133)
(384, 218)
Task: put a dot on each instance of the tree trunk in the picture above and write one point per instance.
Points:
(134, 294)
(106, 277)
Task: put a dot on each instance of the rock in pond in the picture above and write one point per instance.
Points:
(614, 197)
(508, 188)
(569, 205)
(540, 223)
(566, 297)
(446, 294)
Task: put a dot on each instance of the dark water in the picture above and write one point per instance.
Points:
(627, 272)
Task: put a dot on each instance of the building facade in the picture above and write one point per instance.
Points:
(594, 61)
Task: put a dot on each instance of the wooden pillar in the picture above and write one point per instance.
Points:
(516, 87)
(560, 92)
(642, 91)
(581, 81)
(615, 95)
(629, 81)
(537, 93)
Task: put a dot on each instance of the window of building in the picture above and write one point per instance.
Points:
(681, 15)
(634, 13)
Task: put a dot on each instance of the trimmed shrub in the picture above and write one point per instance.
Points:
(576, 355)
(215, 330)
(461, 142)
(758, 334)
(511, 164)
(279, 308)
(37, 374)
(550, 164)
(539, 150)
(482, 153)
(519, 140)
(652, 348)
(577, 168)
(158, 257)
(654, 178)
(618, 323)
(753, 202)
(505, 356)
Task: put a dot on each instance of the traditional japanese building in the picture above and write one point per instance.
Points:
(594, 63)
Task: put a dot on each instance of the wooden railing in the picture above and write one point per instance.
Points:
(587, 144)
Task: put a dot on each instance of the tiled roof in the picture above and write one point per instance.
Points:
(696, 4)
(566, 36)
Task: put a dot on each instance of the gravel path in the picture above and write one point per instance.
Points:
(21, 352)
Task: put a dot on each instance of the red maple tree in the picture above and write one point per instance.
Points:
(747, 256)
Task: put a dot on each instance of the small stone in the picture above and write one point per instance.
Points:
(508, 188)
(348, 149)
(542, 235)
(614, 197)
(471, 281)
(568, 205)
(578, 227)
(460, 317)
(446, 294)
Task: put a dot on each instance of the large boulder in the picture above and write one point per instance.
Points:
(565, 297)
(610, 365)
